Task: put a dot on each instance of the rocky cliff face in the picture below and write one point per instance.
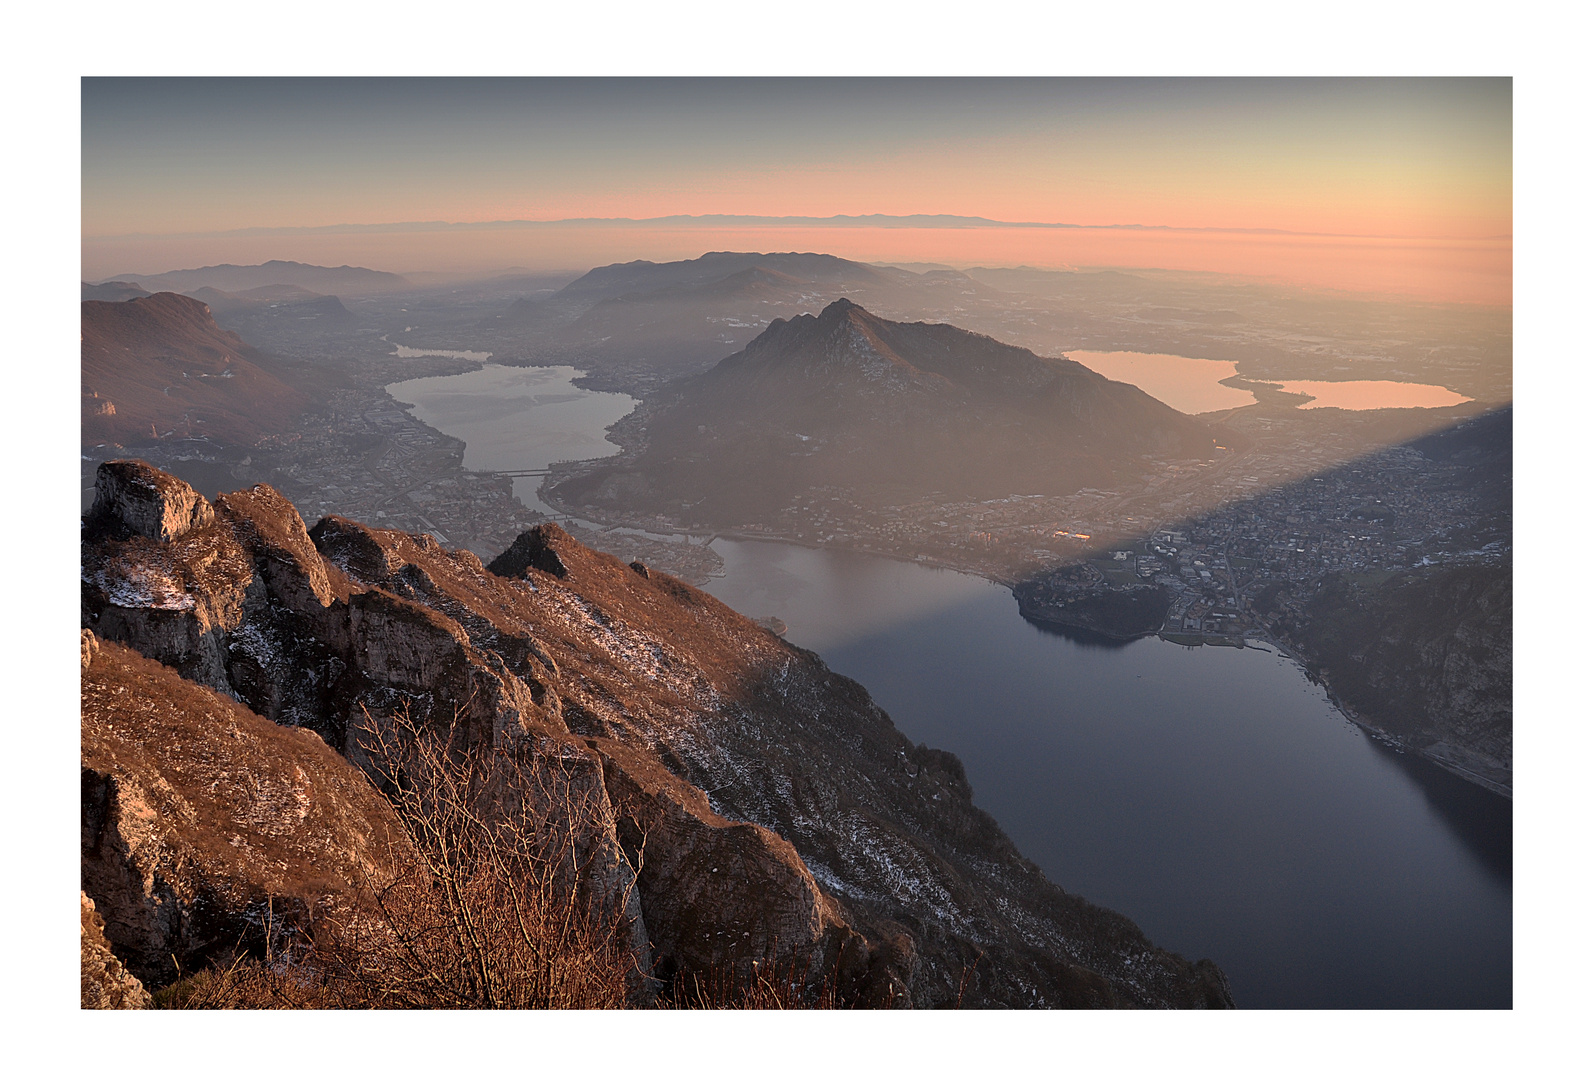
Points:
(766, 805)
(106, 983)
(205, 826)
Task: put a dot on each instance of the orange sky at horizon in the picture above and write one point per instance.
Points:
(1422, 165)
(1478, 272)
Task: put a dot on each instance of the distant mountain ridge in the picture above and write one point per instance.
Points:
(349, 280)
(853, 400)
(292, 299)
(678, 318)
(114, 291)
(640, 275)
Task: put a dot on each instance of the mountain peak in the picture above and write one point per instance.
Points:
(848, 398)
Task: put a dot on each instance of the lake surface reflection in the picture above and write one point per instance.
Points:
(1193, 386)
(1187, 384)
(518, 418)
(1215, 796)
(1363, 394)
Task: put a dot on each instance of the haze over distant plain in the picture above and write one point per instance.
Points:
(1386, 185)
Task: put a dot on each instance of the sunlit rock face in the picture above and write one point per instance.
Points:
(206, 826)
(764, 806)
(106, 983)
(147, 501)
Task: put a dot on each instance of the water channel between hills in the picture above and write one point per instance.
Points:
(1215, 796)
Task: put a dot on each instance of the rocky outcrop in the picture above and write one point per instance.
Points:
(158, 570)
(148, 502)
(716, 891)
(537, 548)
(106, 983)
(206, 827)
(767, 807)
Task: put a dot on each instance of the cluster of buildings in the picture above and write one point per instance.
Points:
(1230, 570)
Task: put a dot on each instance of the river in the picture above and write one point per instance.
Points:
(1213, 795)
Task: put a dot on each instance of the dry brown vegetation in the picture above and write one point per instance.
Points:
(769, 984)
(493, 913)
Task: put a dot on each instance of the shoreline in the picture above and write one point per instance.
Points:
(1284, 649)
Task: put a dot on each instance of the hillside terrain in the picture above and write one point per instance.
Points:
(898, 410)
(201, 820)
(745, 803)
(157, 366)
(1425, 655)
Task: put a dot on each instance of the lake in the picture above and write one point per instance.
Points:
(1183, 382)
(1360, 394)
(1192, 385)
(1214, 796)
(403, 352)
(517, 419)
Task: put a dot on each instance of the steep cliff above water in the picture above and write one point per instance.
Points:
(778, 809)
(1425, 655)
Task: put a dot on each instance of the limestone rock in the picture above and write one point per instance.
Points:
(106, 983)
(205, 825)
(772, 810)
(717, 893)
(268, 525)
(147, 501)
(368, 556)
(535, 548)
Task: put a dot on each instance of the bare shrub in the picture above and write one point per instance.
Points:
(789, 983)
(512, 901)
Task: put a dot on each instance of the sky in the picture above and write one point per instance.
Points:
(1398, 184)
(1527, 40)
